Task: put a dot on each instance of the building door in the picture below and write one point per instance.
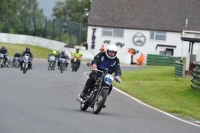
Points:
(166, 51)
(169, 52)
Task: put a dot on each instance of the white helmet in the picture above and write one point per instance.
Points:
(77, 48)
(112, 48)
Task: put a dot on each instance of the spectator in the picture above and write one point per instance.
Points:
(140, 59)
(131, 52)
(102, 49)
(85, 44)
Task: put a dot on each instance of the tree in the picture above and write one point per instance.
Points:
(70, 11)
(15, 16)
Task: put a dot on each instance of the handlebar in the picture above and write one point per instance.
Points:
(103, 72)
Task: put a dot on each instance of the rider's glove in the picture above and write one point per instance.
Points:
(94, 66)
(118, 79)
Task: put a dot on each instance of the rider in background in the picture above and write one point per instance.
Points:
(17, 54)
(54, 53)
(4, 51)
(64, 56)
(78, 54)
(27, 51)
(101, 61)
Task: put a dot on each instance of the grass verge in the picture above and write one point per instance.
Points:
(38, 52)
(159, 88)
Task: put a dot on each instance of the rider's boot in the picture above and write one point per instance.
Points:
(82, 95)
(66, 66)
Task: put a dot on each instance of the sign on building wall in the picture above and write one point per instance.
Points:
(139, 39)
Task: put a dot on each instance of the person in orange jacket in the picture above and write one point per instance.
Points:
(102, 49)
(140, 59)
(131, 52)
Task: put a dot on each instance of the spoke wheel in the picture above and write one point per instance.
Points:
(98, 105)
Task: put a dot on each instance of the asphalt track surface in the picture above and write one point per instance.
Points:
(43, 101)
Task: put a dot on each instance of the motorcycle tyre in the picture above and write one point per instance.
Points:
(61, 68)
(98, 109)
(24, 69)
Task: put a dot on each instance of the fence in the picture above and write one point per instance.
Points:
(178, 71)
(54, 29)
(196, 76)
(161, 60)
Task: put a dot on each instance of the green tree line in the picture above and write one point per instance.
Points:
(69, 22)
(14, 14)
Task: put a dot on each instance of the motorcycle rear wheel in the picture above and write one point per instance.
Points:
(98, 105)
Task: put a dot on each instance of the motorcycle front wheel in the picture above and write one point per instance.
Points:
(61, 67)
(49, 67)
(25, 68)
(98, 105)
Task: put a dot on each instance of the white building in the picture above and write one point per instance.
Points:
(152, 27)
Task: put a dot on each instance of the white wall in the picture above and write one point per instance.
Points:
(31, 40)
(149, 47)
(42, 42)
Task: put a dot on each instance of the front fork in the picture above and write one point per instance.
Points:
(1, 61)
(25, 65)
(99, 92)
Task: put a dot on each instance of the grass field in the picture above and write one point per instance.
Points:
(38, 52)
(159, 88)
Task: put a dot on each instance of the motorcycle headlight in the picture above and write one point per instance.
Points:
(108, 79)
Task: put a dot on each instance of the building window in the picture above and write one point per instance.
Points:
(106, 32)
(112, 32)
(166, 51)
(158, 35)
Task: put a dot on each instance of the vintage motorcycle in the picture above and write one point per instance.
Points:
(9, 63)
(16, 62)
(51, 64)
(2, 60)
(96, 96)
(25, 63)
(74, 64)
(62, 64)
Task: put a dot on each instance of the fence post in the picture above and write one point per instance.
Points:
(25, 24)
(61, 27)
(45, 27)
(70, 32)
(196, 78)
(53, 29)
(35, 26)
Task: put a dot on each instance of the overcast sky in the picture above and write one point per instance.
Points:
(47, 6)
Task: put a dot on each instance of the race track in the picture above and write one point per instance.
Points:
(43, 101)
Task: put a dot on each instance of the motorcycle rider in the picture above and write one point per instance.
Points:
(27, 51)
(54, 53)
(101, 61)
(64, 56)
(4, 51)
(17, 54)
(78, 54)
